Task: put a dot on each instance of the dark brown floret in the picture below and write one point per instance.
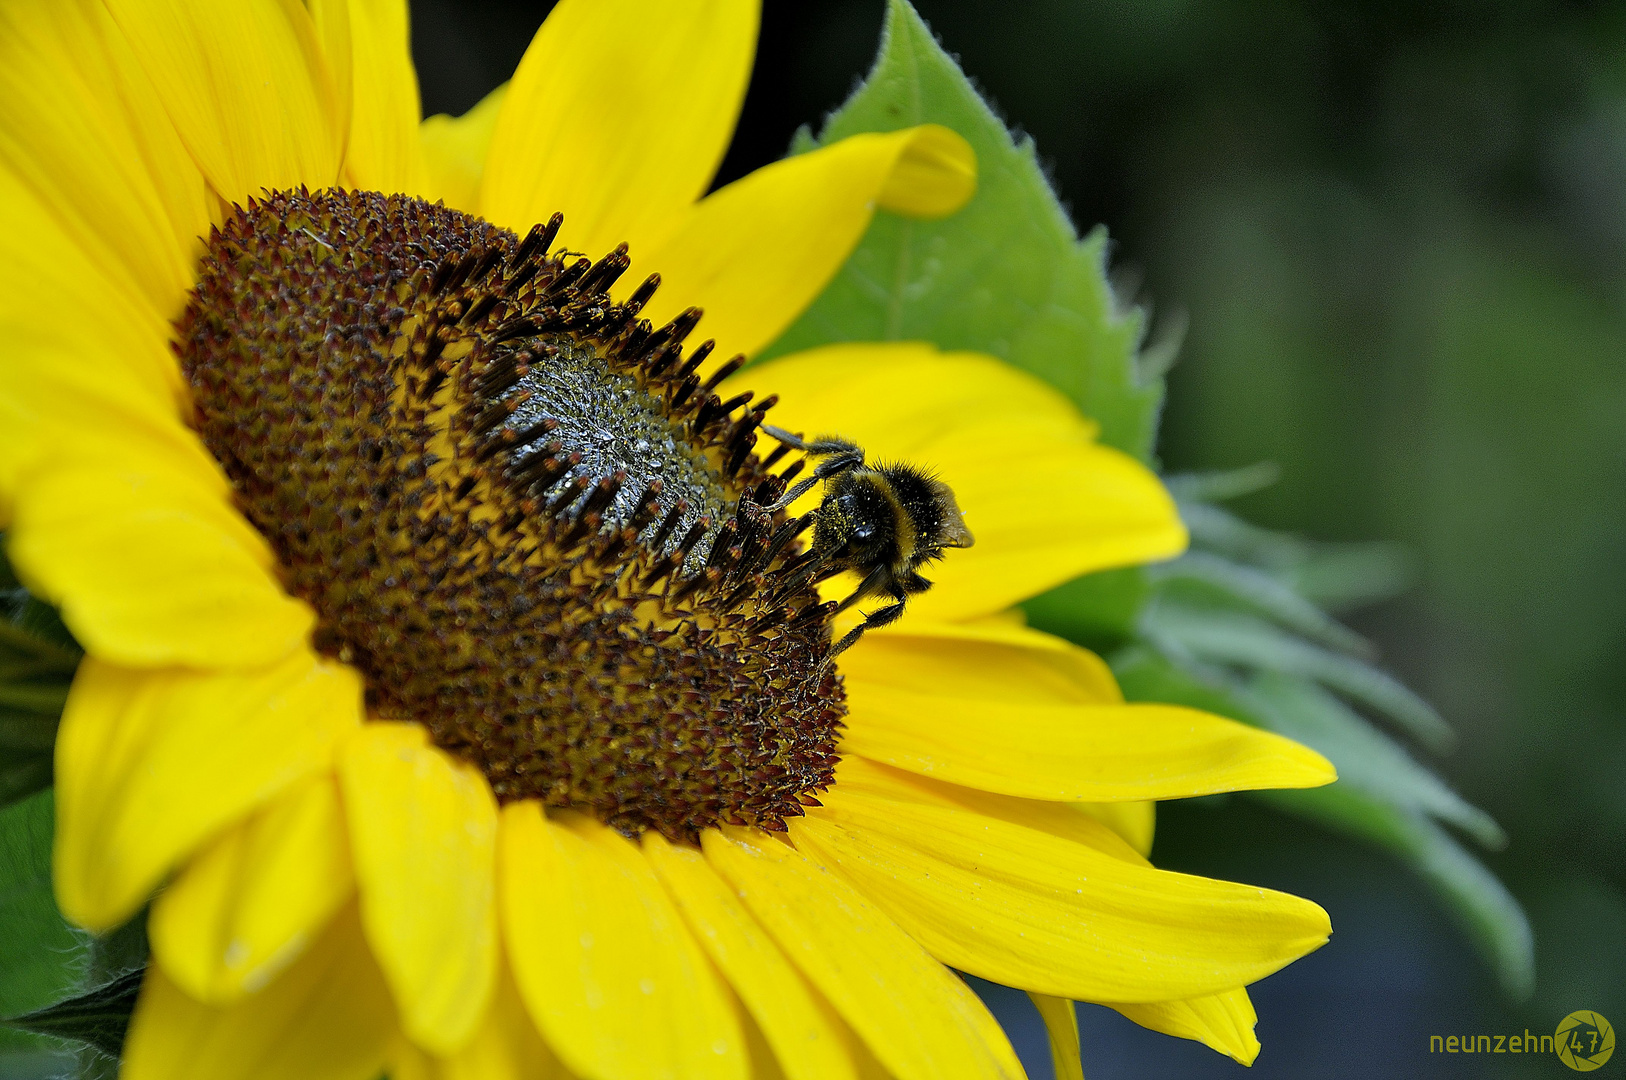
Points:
(516, 508)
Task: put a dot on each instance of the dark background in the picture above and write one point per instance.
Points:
(1397, 233)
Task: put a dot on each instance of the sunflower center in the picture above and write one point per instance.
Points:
(516, 508)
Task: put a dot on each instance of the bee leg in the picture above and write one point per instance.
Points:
(839, 456)
(871, 584)
(878, 617)
(838, 462)
(797, 575)
(793, 494)
(793, 441)
(823, 447)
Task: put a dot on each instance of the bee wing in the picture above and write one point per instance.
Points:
(953, 533)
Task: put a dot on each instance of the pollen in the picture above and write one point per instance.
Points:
(517, 508)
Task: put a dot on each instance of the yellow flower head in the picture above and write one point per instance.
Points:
(457, 675)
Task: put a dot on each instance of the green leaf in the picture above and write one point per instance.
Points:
(1007, 275)
(42, 958)
(29, 624)
(23, 774)
(1143, 674)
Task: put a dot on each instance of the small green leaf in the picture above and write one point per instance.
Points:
(37, 662)
(1007, 275)
(1224, 485)
(28, 732)
(1145, 675)
(1236, 640)
(1216, 529)
(1383, 797)
(1489, 914)
(1219, 579)
(1341, 577)
(1365, 757)
(28, 625)
(41, 699)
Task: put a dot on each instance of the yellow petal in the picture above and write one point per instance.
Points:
(331, 21)
(1030, 909)
(87, 370)
(1008, 629)
(151, 565)
(989, 717)
(1136, 822)
(1074, 822)
(150, 764)
(1223, 1021)
(423, 826)
(1061, 1023)
(754, 254)
(934, 178)
(897, 396)
(248, 905)
(981, 662)
(366, 42)
(603, 961)
(1049, 505)
(68, 396)
(328, 1017)
(807, 1046)
(81, 334)
(618, 116)
(506, 1047)
(918, 1019)
(246, 86)
(79, 123)
(454, 152)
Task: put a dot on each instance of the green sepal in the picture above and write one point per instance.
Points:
(57, 980)
(98, 1018)
(1098, 611)
(1007, 275)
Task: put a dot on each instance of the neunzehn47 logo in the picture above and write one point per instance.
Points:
(1584, 1041)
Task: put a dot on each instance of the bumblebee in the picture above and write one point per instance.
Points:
(882, 522)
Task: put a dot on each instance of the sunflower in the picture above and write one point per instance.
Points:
(455, 678)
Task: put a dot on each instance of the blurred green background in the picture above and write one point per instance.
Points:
(1394, 236)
